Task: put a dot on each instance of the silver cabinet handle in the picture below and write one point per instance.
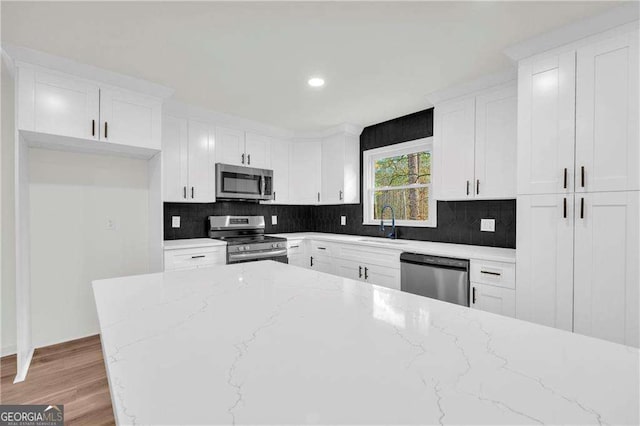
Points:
(366, 273)
(274, 195)
(477, 186)
(106, 129)
(582, 176)
(359, 271)
(473, 300)
(491, 273)
(467, 187)
(582, 208)
(184, 192)
(242, 159)
(249, 159)
(192, 192)
(565, 178)
(311, 261)
(564, 207)
(340, 195)
(198, 257)
(93, 127)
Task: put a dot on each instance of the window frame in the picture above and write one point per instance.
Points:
(369, 158)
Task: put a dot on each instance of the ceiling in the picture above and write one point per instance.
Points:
(379, 60)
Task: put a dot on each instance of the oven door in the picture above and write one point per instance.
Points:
(243, 183)
(276, 255)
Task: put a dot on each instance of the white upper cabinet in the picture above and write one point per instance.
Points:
(340, 170)
(175, 162)
(280, 165)
(257, 150)
(230, 146)
(454, 129)
(54, 103)
(187, 160)
(607, 138)
(201, 188)
(129, 118)
(305, 172)
(475, 146)
(544, 259)
(546, 120)
(64, 105)
(495, 148)
(607, 279)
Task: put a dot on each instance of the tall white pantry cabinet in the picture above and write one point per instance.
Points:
(578, 186)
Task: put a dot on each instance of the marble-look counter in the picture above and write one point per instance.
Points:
(271, 343)
(424, 247)
(189, 243)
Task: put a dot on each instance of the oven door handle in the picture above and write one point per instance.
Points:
(261, 255)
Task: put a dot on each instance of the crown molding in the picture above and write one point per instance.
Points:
(344, 128)
(612, 18)
(473, 86)
(183, 110)
(88, 72)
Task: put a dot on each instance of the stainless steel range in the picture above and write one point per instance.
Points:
(245, 239)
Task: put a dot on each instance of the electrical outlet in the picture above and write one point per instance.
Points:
(274, 220)
(343, 220)
(175, 221)
(488, 225)
(110, 225)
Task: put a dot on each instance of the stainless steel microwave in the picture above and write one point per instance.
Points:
(243, 183)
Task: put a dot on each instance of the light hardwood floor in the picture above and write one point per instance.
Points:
(71, 373)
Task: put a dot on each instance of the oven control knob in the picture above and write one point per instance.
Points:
(240, 248)
(247, 247)
(274, 245)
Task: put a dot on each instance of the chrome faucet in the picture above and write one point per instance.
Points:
(392, 234)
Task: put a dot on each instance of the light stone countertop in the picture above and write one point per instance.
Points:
(270, 343)
(424, 247)
(189, 243)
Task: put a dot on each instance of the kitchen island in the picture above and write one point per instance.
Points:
(270, 343)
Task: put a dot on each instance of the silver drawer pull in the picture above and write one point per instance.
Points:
(491, 273)
(198, 257)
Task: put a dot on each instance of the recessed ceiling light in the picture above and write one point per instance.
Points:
(316, 82)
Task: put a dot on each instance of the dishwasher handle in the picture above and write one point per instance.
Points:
(438, 261)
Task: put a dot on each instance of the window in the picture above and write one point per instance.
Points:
(399, 176)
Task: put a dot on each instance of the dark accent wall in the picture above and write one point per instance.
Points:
(458, 221)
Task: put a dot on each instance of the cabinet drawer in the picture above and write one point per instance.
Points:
(295, 247)
(194, 258)
(321, 248)
(493, 273)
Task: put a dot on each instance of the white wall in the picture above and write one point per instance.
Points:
(7, 224)
(73, 196)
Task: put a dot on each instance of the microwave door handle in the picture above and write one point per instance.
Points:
(262, 186)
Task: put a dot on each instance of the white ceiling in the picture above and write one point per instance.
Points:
(379, 60)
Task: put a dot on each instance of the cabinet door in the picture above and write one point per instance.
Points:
(201, 167)
(349, 269)
(174, 158)
(57, 104)
(332, 163)
(607, 139)
(454, 149)
(544, 266)
(498, 300)
(546, 124)
(305, 172)
(379, 275)
(606, 266)
(322, 264)
(496, 140)
(280, 166)
(230, 146)
(258, 151)
(130, 119)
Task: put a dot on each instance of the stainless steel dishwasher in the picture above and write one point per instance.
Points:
(441, 278)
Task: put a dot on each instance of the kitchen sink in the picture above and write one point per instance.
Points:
(382, 241)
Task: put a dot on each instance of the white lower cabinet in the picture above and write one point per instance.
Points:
(297, 253)
(577, 263)
(606, 275)
(322, 264)
(493, 299)
(192, 258)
